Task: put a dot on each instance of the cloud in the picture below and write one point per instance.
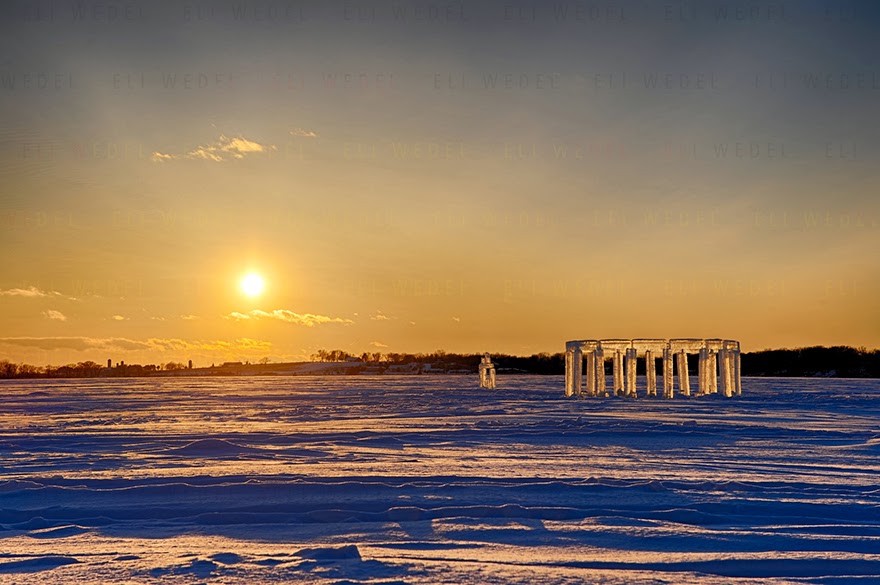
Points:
(34, 293)
(303, 133)
(75, 343)
(30, 291)
(224, 148)
(457, 319)
(377, 344)
(188, 317)
(119, 318)
(307, 319)
(123, 344)
(55, 315)
(379, 316)
(241, 344)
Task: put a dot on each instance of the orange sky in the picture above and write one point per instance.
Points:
(501, 184)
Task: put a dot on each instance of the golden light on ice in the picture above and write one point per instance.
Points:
(252, 285)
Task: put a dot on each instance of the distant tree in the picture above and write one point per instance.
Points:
(172, 366)
(8, 369)
(86, 369)
(68, 371)
(264, 361)
(28, 371)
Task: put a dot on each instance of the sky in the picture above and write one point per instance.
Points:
(411, 176)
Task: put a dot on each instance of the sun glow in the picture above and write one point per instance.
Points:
(252, 285)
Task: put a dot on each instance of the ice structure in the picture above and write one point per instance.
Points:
(719, 366)
(487, 372)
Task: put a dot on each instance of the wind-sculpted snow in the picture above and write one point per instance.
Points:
(419, 479)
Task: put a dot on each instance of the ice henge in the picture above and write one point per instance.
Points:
(719, 366)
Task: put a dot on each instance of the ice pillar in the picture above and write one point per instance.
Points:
(731, 384)
(569, 374)
(631, 356)
(737, 381)
(591, 373)
(651, 373)
(683, 381)
(577, 372)
(667, 373)
(618, 373)
(723, 368)
(712, 373)
(703, 378)
(600, 372)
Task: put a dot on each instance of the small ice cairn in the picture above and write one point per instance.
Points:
(487, 372)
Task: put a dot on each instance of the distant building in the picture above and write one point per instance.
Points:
(189, 365)
(109, 363)
(413, 368)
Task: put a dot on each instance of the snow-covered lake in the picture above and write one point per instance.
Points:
(420, 479)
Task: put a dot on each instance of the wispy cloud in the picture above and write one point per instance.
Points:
(119, 318)
(75, 343)
(54, 315)
(302, 133)
(34, 293)
(380, 316)
(30, 291)
(457, 319)
(240, 344)
(224, 148)
(307, 319)
(123, 344)
(378, 344)
(189, 317)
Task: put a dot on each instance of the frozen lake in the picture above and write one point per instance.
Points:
(420, 479)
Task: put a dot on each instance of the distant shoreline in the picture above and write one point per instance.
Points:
(808, 362)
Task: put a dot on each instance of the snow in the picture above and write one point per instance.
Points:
(427, 479)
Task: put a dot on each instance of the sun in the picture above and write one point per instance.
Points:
(252, 285)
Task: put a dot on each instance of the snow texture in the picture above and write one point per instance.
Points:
(424, 479)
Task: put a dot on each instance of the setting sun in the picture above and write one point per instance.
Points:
(252, 285)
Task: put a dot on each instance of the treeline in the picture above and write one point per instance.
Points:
(88, 369)
(837, 361)
(541, 363)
